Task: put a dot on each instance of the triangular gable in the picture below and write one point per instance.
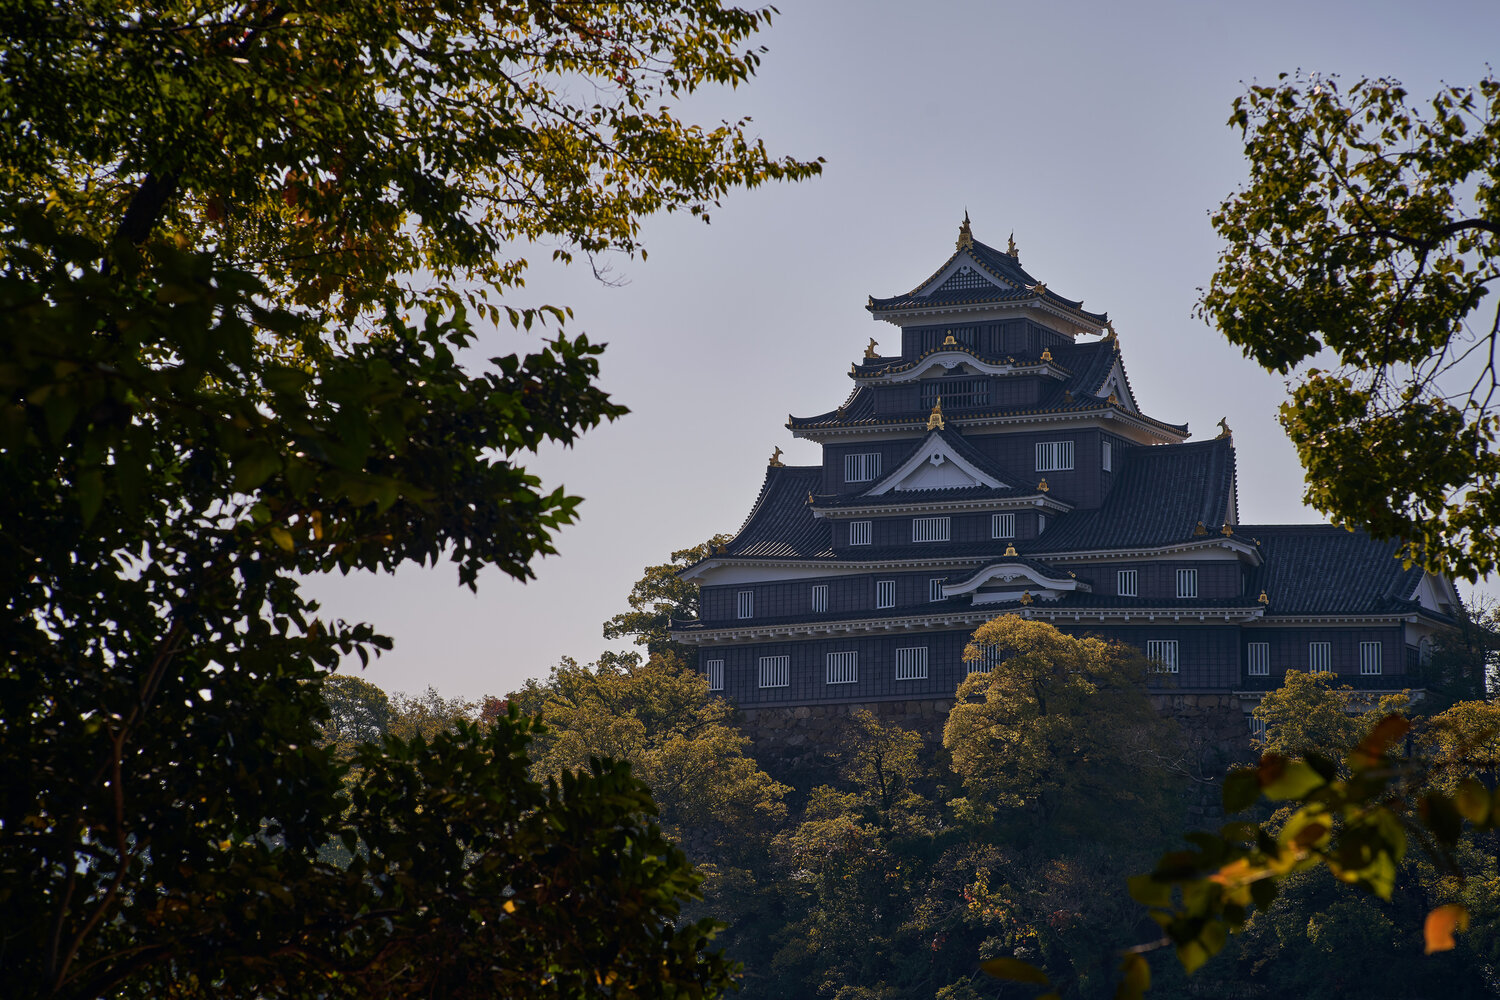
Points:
(964, 273)
(1435, 593)
(1117, 385)
(935, 465)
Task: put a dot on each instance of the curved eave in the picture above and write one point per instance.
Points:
(1235, 543)
(938, 505)
(987, 366)
(1162, 431)
(902, 307)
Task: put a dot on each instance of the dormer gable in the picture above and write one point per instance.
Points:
(935, 465)
(1117, 385)
(965, 273)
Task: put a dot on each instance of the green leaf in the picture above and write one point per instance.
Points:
(1014, 970)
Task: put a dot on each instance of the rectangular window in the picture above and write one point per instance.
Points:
(1258, 659)
(911, 663)
(715, 671)
(1002, 526)
(1125, 582)
(1164, 652)
(1257, 727)
(1187, 583)
(1107, 456)
(775, 671)
(1041, 523)
(935, 588)
(843, 668)
(820, 597)
(861, 468)
(956, 393)
(1369, 658)
(745, 604)
(859, 532)
(1319, 656)
(1054, 456)
(885, 593)
(930, 529)
(989, 660)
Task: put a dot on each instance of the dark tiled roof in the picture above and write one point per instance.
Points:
(781, 524)
(1318, 569)
(999, 264)
(1159, 496)
(896, 498)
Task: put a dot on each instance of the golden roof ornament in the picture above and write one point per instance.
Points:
(1263, 599)
(776, 462)
(1200, 530)
(1046, 354)
(965, 237)
(1113, 400)
(1043, 486)
(1026, 598)
(1109, 329)
(1227, 530)
(935, 418)
(1013, 250)
(1010, 550)
(948, 341)
(1040, 288)
(809, 496)
(870, 351)
(1067, 395)
(1224, 431)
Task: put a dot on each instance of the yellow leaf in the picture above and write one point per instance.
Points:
(1440, 925)
(1015, 970)
(282, 537)
(510, 906)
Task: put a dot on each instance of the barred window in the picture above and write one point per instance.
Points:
(1319, 657)
(956, 393)
(775, 671)
(988, 660)
(885, 593)
(1164, 652)
(1054, 456)
(930, 529)
(820, 597)
(1258, 659)
(911, 663)
(843, 668)
(1369, 658)
(859, 532)
(1187, 583)
(1257, 727)
(935, 588)
(1125, 582)
(1041, 523)
(745, 604)
(1107, 456)
(715, 671)
(1002, 526)
(862, 468)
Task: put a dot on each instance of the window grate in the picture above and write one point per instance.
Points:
(1164, 653)
(989, 659)
(1054, 456)
(1107, 456)
(956, 392)
(930, 529)
(1002, 526)
(1369, 658)
(859, 532)
(911, 663)
(775, 671)
(1125, 582)
(843, 668)
(1258, 659)
(745, 604)
(1319, 657)
(885, 593)
(1187, 583)
(861, 468)
(820, 597)
(715, 671)
(935, 588)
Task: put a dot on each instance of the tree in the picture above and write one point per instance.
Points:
(236, 283)
(1370, 229)
(658, 597)
(1060, 727)
(1308, 714)
(358, 712)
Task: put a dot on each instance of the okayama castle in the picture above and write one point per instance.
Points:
(1000, 464)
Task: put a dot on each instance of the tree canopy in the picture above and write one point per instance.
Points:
(241, 250)
(1360, 260)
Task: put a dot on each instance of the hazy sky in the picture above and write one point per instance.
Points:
(1095, 131)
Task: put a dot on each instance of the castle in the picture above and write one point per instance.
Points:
(1001, 464)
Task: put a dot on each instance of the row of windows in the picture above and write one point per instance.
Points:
(911, 661)
(1319, 658)
(1051, 456)
(842, 668)
(940, 529)
(1127, 583)
(885, 596)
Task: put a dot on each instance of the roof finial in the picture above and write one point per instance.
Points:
(935, 419)
(1012, 249)
(776, 462)
(1227, 530)
(1026, 598)
(1010, 550)
(1038, 289)
(1113, 400)
(1109, 329)
(1200, 530)
(1263, 599)
(965, 237)
(1224, 431)
(948, 341)
(1046, 354)
(870, 351)
(1043, 486)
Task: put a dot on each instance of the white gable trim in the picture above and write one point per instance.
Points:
(1116, 384)
(934, 466)
(963, 260)
(950, 360)
(1020, 578)
(1433, 592)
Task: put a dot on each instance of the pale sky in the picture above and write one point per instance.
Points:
(1095, 131)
